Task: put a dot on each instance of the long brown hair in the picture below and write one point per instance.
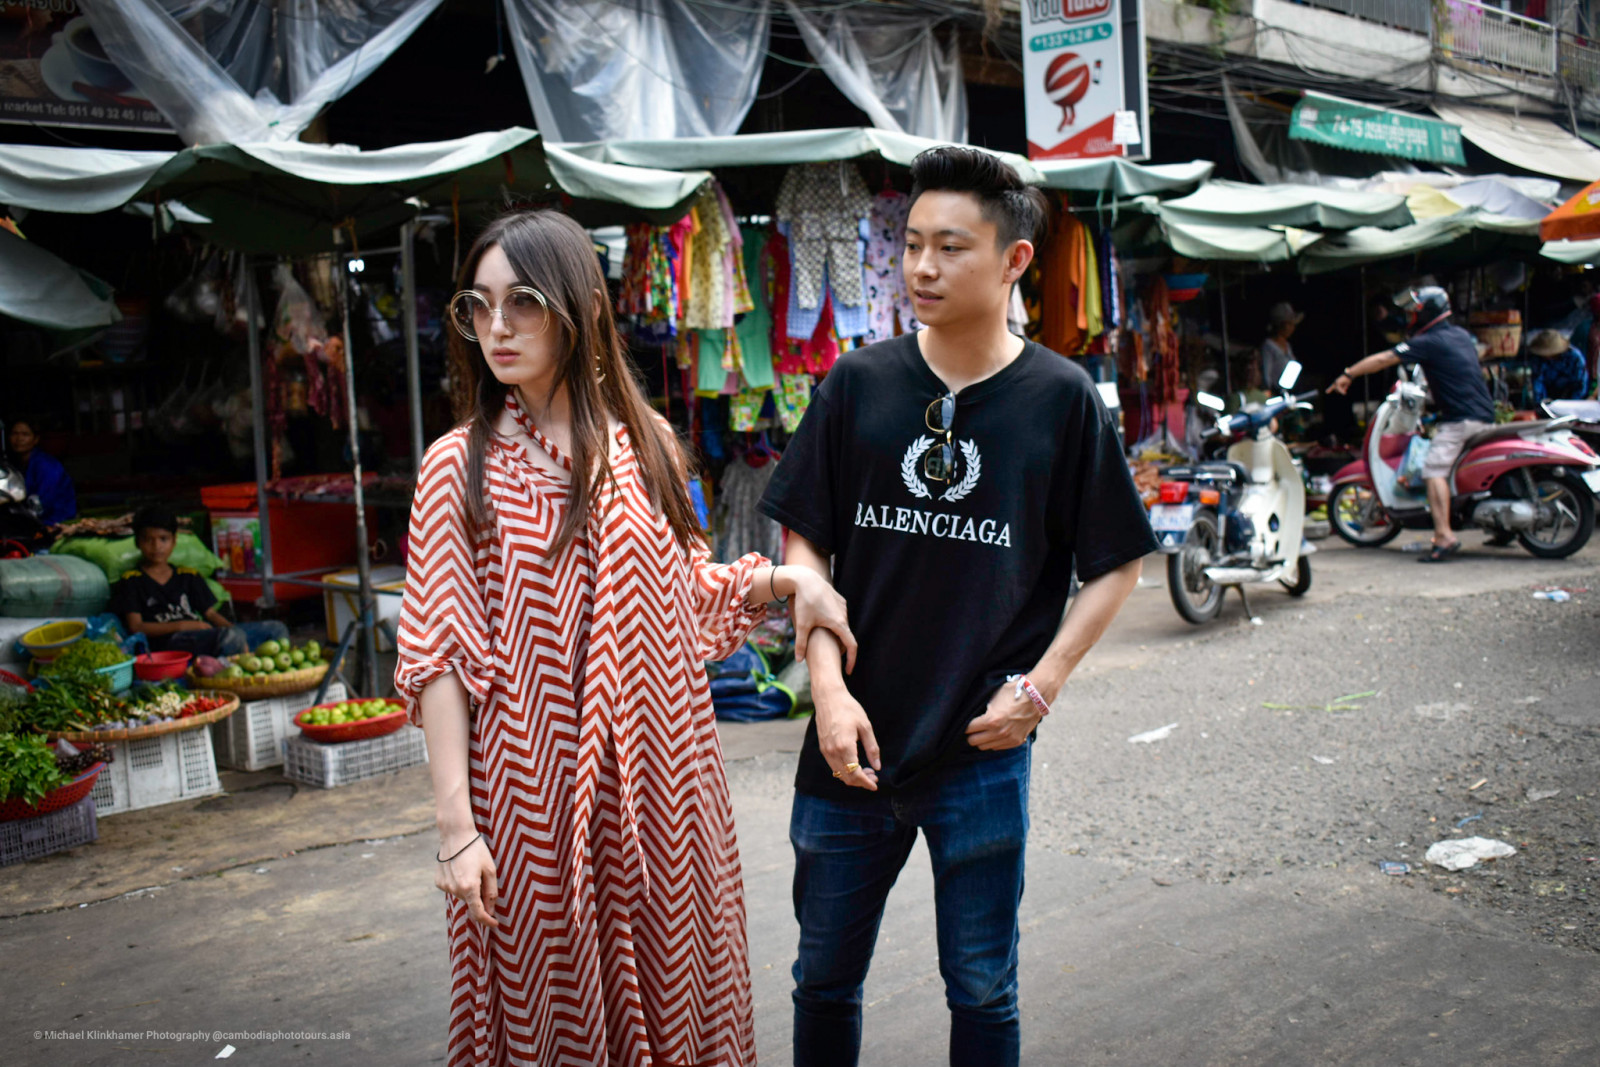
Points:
(550, 252)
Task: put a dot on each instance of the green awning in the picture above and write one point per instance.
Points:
(1468, 235)
(38, 287)
(289, 198)
(776, 149)
(1226, 203)
(1361, 128)
(1120, 177)
(1571, 251)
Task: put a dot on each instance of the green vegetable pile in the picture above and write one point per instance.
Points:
(27, 768)
(74, 700)
(85, 656)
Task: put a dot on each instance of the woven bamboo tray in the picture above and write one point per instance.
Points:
(285, 684)
(158, 728)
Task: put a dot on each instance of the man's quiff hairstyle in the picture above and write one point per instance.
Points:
(1016, 208)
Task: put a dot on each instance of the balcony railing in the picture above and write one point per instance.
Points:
(1413, 15)
(1469, 30)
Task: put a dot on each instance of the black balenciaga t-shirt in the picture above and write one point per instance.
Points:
(952, 587)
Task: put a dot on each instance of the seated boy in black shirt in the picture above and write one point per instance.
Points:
(172, 606)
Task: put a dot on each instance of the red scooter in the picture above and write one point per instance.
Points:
(1534, 482)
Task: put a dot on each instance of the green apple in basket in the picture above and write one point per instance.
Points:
(312, 649)
(298, 658)
(267, 648)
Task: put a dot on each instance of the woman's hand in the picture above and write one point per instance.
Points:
(819, 605)
(470, 878)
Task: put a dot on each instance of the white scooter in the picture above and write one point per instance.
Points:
(1236, 522)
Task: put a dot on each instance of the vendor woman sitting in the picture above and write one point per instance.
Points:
(1559, 370)
(173, 606)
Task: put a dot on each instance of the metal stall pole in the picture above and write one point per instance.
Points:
(369, 640)
(258, 431)
(1227, 371)
(1366, 346)
(408, 318)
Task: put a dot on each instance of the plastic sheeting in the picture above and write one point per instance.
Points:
(599, 70)
(890, 65)
(239, 71)
(777, 149)
(1534, 144)
(38, 287)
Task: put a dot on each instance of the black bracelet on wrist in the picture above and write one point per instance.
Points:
(462, 849)
(772, 586)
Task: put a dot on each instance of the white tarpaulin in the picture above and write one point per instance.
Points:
(1116, 175)
(1524, 141)
(892, 66)
(600, 70)
(238, 71)
(38, 287)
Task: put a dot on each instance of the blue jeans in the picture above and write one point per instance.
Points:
(230, 641)
(847, 857)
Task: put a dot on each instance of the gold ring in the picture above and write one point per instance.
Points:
(851, 768)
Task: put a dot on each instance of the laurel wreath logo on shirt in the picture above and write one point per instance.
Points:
(912, 475)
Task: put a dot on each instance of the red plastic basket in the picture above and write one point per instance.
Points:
(158, 666)
(58, 798)
(364, 730)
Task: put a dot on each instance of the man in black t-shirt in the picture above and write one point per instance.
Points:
(949, 482)
(1449, 356)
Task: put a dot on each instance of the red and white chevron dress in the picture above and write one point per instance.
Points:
(596, 773)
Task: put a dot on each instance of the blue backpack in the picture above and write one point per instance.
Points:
(744, 689)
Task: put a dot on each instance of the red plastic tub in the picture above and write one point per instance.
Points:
(159, 666)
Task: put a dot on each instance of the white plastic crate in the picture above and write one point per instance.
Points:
(328, 766)
(157, 770)
(251, 739)
(68, 827)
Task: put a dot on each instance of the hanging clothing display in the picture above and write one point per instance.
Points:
(888, 301)
(824, 205)
(1064, 273)
(740, 527)
(755, 328)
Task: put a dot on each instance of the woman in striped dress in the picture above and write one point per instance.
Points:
(559, 605)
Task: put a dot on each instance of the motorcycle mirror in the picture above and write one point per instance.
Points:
(1207, 400)
(1291, 374)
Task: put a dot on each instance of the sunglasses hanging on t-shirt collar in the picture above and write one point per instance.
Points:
(939, 462)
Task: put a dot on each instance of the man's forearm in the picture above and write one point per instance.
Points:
(1086, 621)
(823, 655)
(1372, 364)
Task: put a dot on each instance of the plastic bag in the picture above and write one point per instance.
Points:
(744, 689)
(1411, 466)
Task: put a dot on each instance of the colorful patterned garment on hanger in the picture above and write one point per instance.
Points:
(887, 296)
(793, 398)
(824, 205)
(744, 409)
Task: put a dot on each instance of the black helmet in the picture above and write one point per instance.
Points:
(1423, 307)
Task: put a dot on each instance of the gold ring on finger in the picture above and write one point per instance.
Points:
(851, 768)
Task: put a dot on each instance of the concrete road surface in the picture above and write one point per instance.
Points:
(1212, 898)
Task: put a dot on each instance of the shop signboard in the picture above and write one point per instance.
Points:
(53, 72)
(1083, 78)
(1360, 128)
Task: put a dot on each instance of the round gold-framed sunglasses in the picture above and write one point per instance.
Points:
(525, 311)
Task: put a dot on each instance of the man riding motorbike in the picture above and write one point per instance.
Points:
(1449, 356)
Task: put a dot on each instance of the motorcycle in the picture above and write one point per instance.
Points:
(1238, 521)
(1533, 482)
